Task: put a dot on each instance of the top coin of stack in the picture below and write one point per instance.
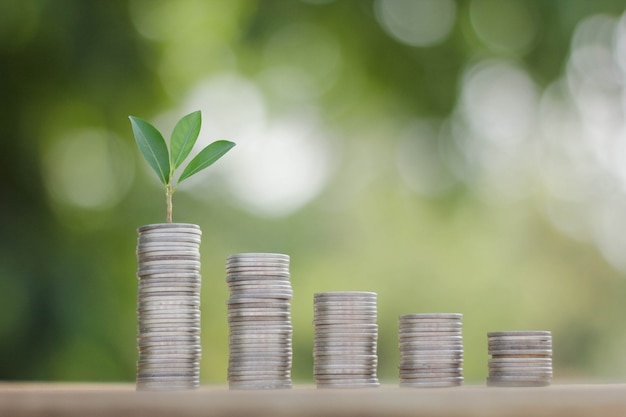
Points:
(259, 318)
(520, 358)
(431, 350)
(346, 335)
(168, 306)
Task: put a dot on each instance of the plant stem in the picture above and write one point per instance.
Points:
(168, 198)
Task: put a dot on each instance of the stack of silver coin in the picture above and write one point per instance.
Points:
(259, 319)
(431, 350)
(520, 358)
(346, 335)
(168, 307)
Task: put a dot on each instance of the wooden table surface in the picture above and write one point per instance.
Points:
(94, 400)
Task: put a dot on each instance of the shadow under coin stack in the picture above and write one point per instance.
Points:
(346, 335)
(259, 319)
(520, 358)
(431, 350)
(168, 307)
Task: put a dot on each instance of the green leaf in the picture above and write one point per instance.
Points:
(152, 147)
(184, 137)
(206, 158)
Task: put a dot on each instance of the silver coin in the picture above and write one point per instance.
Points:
(529, 353)
(143, 295)
(149, 340)
(144, 345)
(182, 276)
(519, 339)
(176, 312)
(359, 328)
(158, 360)
(277, 341)
(259, 385)
(349, 384)
(349, 314)
(176, 262)
(523, 360)
(167, 315)
(234, 269)
(166, 226)
(344, 361)
(515, 347)
(427, 366)
(433, 384)
(238, 314)
(169, 305)
(260, 347)
(144, 253)
(145, 287)
(421, 316)
(359, 340)
(168, 323)
(339, 320)
(321, 372)
(421, 356)
(176, 253)
(170, 327)
(267, 295)
(257, 302)
(173, 231)
(258, 365)
(517, 333)
(165, 368)
(260, 333)
(344, 377)
(408, 373)
(264, 285)
(149, 366)
(258, 321)
(249, 373)
(146, 248)
(260, 350)
(144, 243)
(344, 294)
(280, 326)
(246, 275)
(442, 338)
(239, 293)
(260, 283)
(257, 255)
(167, 295)
(355, 301)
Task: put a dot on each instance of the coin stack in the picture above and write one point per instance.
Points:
(520, 358)
(168, 307)
(431, 350)
(259, 319)
(346, 334)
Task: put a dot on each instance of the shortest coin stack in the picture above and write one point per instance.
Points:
(346, 334)
(520, 358)
(259, 318)
(431, 350)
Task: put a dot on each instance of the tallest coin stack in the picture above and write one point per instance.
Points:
(168, 307)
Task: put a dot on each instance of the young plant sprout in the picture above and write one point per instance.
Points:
(164, 162)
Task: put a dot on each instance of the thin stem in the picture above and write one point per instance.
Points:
(168, 198)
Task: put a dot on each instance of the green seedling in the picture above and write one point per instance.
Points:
(165, 162)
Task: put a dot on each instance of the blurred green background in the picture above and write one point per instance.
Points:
(463, 156)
